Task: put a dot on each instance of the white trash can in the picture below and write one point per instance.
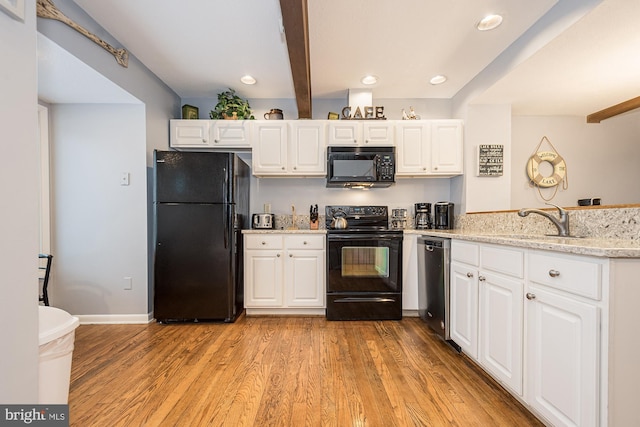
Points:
(56, 337)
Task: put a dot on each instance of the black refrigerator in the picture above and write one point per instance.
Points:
(201, 204)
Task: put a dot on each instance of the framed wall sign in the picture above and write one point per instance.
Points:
(13, 8)
(490, 160)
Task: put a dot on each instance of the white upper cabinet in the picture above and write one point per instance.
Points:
(270, 148)
(429, 148)
(344, 132)
(446, 147)
(189, 133)
(231, 133)
(308, 147)
(353, 132)
(289, 148)
(378, 132)
(424, 148)
(210, 133)
(412, 148)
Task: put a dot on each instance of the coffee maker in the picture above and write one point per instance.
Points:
(423, 219)
(443, 214)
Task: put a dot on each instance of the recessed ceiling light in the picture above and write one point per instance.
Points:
(248, 80)
(489, 22)
(369, 80)
(438, 80)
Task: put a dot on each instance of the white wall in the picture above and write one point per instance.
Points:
(160, 102)
(487, 124)
(19, 210)
(602, 159)
(425, 108)
(99, 226)
(281, 193)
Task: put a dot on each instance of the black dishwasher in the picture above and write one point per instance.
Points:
(433, 283)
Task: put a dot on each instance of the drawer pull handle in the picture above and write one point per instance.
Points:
(469, 274)
(531, 296)
(554, 273)
(278, 255)
(304, 243)
(264, 243)
(290, 256)
(482, 278)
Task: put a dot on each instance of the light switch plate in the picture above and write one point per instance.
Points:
(124, 178)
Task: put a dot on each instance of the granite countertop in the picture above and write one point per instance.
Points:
(275, 230)
(610, 248)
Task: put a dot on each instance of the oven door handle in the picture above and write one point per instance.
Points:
(365, 299)
(345, 236)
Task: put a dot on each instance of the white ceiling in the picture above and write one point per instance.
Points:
(200, 47)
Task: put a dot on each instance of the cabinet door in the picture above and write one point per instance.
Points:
(412, 148)
(563, 340)
(342, 132)
(231, 133)
(464, 307)
(304, 278)
(501, 328)
(446, 147)
(378, 133)
(308, 148)
(269, 155)
(263, 279)
(189, 133)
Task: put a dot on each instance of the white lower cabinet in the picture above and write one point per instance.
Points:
(500, 330)
(284, 273)
(464, 307)
(563, 338)
(532, 319)
(487, 283)
(562, 354)
(263, 271)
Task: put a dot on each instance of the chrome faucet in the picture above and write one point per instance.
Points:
(561, 223)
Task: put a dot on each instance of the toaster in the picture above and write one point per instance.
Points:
(262, 221)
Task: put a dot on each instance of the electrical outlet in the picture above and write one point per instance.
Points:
(128, 283)
(124, 178)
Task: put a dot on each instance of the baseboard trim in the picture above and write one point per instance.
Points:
(114, 319)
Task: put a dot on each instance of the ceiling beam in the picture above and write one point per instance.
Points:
(607, 113)
(295, 20)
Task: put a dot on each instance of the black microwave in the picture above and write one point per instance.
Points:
(361, 167)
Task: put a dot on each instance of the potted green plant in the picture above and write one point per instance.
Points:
(231, 107)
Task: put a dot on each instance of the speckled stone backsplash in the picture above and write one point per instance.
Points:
(284, 222)
(606, 223)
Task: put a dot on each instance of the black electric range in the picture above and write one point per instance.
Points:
(364, 265)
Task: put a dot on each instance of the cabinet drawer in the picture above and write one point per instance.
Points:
(575, 274)
(501, 260)
(304, 241)
(263, 241)
(465, 252)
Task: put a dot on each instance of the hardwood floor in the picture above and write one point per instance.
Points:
(280, 371)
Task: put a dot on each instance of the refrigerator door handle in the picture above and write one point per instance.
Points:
(225, 227)
(225, 189)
